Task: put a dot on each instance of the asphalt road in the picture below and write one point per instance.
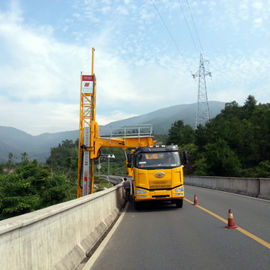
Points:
(160, 236)
(113, 179)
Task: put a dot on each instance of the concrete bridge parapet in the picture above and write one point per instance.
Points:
(59, 236)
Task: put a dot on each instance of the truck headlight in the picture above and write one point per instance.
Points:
(140, 191)
(180, 189)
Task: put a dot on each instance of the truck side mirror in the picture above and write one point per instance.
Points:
(185, 157)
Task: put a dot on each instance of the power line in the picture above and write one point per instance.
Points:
(194, 26)
(170, 34)
(188, 26)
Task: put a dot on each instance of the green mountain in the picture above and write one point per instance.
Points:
(162, 119)
(38, 147)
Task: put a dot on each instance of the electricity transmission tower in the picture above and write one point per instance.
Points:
(202, 113)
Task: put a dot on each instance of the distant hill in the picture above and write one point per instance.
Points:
(38, 147)
(162, 119)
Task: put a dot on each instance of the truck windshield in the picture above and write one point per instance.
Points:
(158, 160)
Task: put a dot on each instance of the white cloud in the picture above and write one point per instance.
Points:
(38, 67)
(238, 16)
(114, 116)
(258, 5)
(258, 22)
(244, 11)
(39, 118)
(105, 10)
(122, 10)
(237, 77)
(39, 79)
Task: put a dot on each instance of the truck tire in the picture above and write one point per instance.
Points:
(137, 205)
(179, 203)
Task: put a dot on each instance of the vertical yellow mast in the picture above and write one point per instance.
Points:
(85, 183)
(93, 59)
(93, 132)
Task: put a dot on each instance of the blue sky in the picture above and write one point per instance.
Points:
(140, 66)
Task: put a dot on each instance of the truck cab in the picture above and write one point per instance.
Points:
(157, 174)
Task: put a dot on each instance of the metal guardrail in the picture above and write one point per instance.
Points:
(131, 131)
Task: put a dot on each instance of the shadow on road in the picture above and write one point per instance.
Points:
(156, 206)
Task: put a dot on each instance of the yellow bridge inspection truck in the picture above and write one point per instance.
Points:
(157, 174)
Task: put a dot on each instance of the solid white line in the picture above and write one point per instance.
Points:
(100, 248)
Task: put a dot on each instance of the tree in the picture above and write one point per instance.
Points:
(18, 194)
(201, 137)
(180, 134)
(221, 160)
(2, 166)
(242, 132)
(64, 157)
(263, 169)
(200, 166)
(10, 161)
(56, 190)
(250, 105)
(30, 188)
(24, 158)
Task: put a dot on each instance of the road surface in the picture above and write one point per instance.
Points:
(164, 237)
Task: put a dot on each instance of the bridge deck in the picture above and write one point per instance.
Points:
(163, 237)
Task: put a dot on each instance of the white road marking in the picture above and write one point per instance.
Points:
(100, 248)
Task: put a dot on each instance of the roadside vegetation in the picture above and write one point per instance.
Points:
(234, 143)
(26, 186)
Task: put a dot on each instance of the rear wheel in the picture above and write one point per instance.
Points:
(179, 203)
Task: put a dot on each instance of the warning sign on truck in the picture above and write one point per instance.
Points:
(87, 83)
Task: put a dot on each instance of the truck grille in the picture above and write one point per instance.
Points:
(160, 196)
(160, 184)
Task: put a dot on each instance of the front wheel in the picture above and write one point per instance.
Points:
(137, 205)
(179, 203)
(127, 195)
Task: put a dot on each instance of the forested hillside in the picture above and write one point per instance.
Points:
(235, 143)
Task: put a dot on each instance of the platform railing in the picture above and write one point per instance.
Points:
(137, 131)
